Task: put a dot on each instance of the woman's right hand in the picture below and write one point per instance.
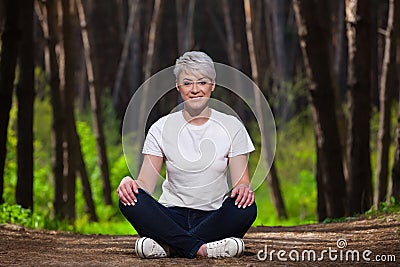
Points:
(126, 191)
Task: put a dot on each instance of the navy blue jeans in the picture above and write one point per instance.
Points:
(185, 230)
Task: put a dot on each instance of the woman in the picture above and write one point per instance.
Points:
(197, 214)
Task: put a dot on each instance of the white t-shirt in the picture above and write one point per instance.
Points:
(196, 157)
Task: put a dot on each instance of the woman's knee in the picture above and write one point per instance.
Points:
(143, 200)
(249, 212)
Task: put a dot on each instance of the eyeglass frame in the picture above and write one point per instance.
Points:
(189, 83)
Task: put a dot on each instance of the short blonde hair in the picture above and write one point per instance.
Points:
(197, 63)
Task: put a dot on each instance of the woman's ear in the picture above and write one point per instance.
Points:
(213, 86)
(177, 86)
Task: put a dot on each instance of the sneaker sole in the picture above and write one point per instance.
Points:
(239, 253)
(139, 244)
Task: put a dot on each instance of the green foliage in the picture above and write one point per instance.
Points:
(18, 215)
(10, 170)
(295, 162)
(335, 220)
(12, 213)
(384, 208)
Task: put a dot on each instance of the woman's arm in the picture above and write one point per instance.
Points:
(241, 181)
(147, 180)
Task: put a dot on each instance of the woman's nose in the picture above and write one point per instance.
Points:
(195, 88)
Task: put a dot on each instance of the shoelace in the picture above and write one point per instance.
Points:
(157, 250)
(217, 249)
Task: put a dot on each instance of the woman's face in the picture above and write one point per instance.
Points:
(195, 90)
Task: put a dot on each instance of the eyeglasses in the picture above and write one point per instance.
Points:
(199, 84)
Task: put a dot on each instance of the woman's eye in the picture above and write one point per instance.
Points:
(202, 83)
(187, 83)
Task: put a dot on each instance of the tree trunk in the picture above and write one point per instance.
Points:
(314, 34)
(359, 86)
(41, 40)
(275, 22)
(95, 104)
(278, 27)
(387, 86)
(57, 107)
(125, 51)
(340, 52)
(230, 38)
(105, 40)
(273, 177)
(185, 15)
(395, 192)
(321, 202)
(340, 68)
(25, 95)
(70, 161)
(147, 73)
(86, 189)
(9, 53)
(376, 56)
(233, 55)
(135, 59)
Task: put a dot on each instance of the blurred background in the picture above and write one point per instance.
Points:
(329, 70)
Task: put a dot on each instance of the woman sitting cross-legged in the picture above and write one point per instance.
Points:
(196, 214)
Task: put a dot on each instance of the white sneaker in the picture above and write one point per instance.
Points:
(146, 247)
(225, 248)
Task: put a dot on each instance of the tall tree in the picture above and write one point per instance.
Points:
(340, 69)
(395, 193)
(185, 15)
(25, 96)
(275, 10)
(9, 53)
(231, 50)
(340, 48)
(387, 86)
(376, 51)
(105, 39)
(147, 72)
(129, 35)
(70, 160)
(86, 188)
(53, 75)
(273, 179)
(358, 17)
(230, 37)
(135, 57)
(95, 103)
(279, 68)
(321, 206)
(314, 34)
(73, 158)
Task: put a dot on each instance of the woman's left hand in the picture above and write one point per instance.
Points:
(244, 195)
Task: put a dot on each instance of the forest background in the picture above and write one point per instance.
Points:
(329, 70)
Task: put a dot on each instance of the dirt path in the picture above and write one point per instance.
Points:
(373, 239)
